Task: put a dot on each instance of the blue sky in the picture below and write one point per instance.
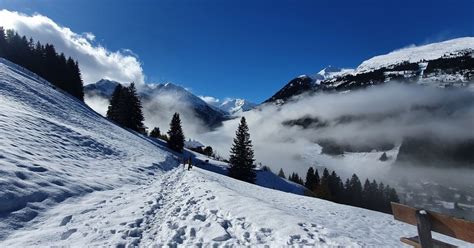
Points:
(250, 49)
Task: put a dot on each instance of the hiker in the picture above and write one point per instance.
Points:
(190, 163)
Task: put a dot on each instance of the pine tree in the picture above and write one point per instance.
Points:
(310, 182)
(208, 151)
(125, 108)
(367, 195)
(281, 173)
(155, 133)
(113, 111)
(135, 115)
(175, 134)
(355, 191)
(335, 187)
(241, 155)
(323, 191)
(317, 180)
(3, 42)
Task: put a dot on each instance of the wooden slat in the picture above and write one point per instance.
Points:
(413, 241)
(444, 224)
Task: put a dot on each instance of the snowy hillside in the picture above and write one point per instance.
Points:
(69, 177)
(419, 53)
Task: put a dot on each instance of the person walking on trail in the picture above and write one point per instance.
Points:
(190, 163)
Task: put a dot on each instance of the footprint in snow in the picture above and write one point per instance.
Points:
(65, 220)
(68, 233)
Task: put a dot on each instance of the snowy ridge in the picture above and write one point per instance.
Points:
(419, 53)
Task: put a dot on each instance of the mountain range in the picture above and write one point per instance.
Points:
(442, 64)
(173, 98)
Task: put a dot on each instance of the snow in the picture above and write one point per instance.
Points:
(192, 143)
(418, 53)
(233, 106)
(71, 178)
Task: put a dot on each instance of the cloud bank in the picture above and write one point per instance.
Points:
(379, 114)
(95, 61)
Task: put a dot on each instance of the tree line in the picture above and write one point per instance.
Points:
(329, 186)
(43, 60)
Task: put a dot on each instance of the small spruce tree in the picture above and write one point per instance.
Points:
(155, 133)
(310, 179)
(241, 155)
(281, 173)
(175, 134)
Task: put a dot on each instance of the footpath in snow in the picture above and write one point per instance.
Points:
(199, 207)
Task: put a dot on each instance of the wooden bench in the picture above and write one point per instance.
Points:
(427, 221)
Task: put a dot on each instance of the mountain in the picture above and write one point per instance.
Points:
(233, 106)
(69, 176)
(306, 83)
(103, 88)
(442, 64)
(167, 98)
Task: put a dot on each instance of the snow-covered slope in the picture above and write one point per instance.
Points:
(53, 147)
(71, 178)
(418, 53)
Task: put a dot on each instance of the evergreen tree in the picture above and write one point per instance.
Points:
(281, 173)
(294, 177)
(241, 155)
(3, 42)
(114, 111)
(368, 195)
(355, 191)
(208, 151)
(125, 108)
(135, 110)
(155, 133)
(335, 187)
(317, 180)
(323, 191)
(310, 182)
(175, 134)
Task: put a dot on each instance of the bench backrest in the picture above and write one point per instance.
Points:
(440, 223)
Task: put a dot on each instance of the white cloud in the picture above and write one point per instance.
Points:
(210, 100)
(95, 61)
(375, 115)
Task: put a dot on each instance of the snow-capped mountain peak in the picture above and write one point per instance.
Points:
(233, 106)
(230, 105)
(103, 87)
(330, 72)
